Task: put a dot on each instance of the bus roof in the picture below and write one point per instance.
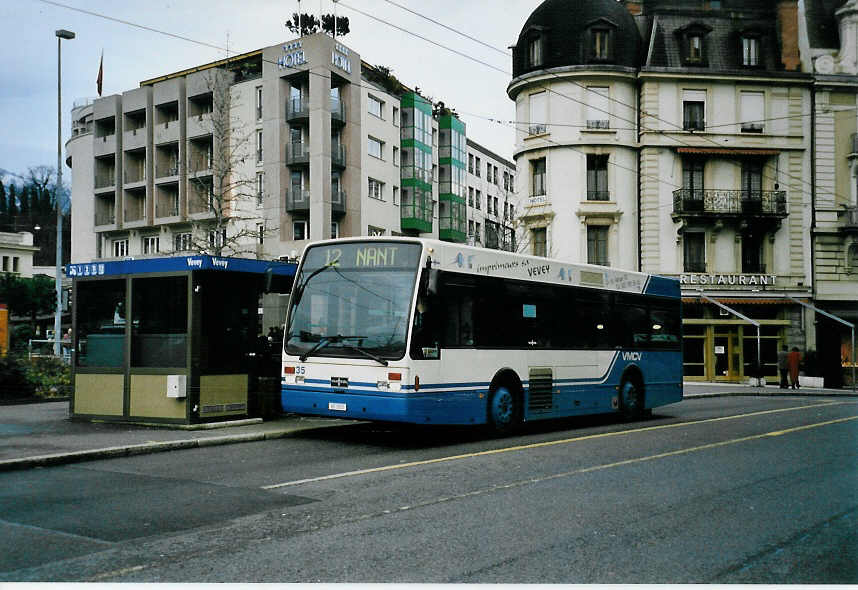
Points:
(448, 256)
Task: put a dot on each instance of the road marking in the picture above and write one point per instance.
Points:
(115, 573)
(543, 444)
(535, 480)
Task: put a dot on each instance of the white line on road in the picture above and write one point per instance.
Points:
(544, 444)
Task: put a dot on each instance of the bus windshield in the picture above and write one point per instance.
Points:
(352, 300)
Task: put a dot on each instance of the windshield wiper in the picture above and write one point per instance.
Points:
(325, 340)
(377, 359)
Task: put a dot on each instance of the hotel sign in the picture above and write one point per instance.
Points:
(293, 56)
(727, 280)
(340, 58)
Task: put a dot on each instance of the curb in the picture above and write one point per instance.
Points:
(148, 448)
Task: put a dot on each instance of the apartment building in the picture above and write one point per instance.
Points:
(16, 253)
(256, 154)
(492, 205)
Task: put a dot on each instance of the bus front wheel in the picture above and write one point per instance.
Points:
(504, 410)
(631, 400)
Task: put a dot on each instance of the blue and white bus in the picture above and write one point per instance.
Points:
(430, 332)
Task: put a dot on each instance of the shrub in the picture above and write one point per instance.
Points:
(13, 380)
(21, 377)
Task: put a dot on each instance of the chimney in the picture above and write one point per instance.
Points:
(787, 21)
(633, 6)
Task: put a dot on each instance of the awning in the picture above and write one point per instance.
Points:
(739, 301)
(715, 151)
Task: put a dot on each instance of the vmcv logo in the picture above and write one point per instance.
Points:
(632, 356)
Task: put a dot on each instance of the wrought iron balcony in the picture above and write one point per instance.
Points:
(338, 155)
(338, 202)
(297, 153)
(717, 202)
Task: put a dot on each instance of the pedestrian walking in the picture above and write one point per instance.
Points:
(793, 361)
(783, 366)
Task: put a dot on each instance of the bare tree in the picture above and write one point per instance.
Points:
(220, 186)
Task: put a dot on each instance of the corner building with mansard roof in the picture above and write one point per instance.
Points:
(674, 137)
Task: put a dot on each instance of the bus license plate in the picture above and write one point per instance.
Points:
(336, 407)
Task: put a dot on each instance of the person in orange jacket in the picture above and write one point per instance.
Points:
(793, 362)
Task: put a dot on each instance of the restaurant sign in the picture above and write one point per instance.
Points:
(728, 280)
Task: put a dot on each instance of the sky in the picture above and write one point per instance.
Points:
(214, 28)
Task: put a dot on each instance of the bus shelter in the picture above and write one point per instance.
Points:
(170, 340)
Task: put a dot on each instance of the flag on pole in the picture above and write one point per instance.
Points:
(100, 73)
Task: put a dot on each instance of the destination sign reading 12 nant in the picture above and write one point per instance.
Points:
(356, 256)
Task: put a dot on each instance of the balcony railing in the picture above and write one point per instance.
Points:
(537, 129)
(850, 219)
(598, 195)
(297, 200)
(105, 179)
(338, 201)
(105, 218)
(338, 155)
(338, 111)
(598, 124)
(297, 153)
(721, 202)
(167, 208)
(168, 170)
(297, 108)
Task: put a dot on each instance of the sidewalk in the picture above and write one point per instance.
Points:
(41, 434)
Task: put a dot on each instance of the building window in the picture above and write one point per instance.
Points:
(182, 242)
(375, 147)
(694, 252)
(260, 233)
(5, 264)
(692, 45)
(470, 163)
(260, 188)
(597, 178)
(299, 229)
(752, 186)
(601, 44)
(335, 230)
(375, 189)
(534, 52)
(396, 116)
(470, 196)
(598, 107)
(752, 111)
(505, 180)
(538, 113)
(478, 199)
(752, 254)
(538, 238)
(750, 52)
(470, 228)
(259, 146)
(477, 167)
(852, 259)
(372, 230)
(537, 168)
(15, 262)
(495, 199)
(693, 110)
(120, 248)
(597, 244)
(477, 232)
(375, 106)
(217, 239)
(396, 195)
(151, 244)
(395, 156)
(259, 103)
(692, 182)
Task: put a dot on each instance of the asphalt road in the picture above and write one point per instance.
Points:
(718, 490)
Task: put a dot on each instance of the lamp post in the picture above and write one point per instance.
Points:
(58, 316)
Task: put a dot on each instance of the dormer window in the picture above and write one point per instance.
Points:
(692, 45)
(534, 52)
(750, 48)
(600, 41)
(600, 44)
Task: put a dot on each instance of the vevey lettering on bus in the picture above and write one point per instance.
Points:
(632, 356)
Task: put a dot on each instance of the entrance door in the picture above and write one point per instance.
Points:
(726, 354)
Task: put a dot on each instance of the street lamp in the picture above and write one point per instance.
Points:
(58, 316)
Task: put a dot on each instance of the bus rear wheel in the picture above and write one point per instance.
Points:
(631, 400)
(504, 410)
